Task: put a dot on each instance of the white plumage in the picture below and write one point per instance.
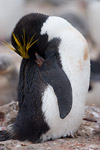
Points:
(75, 61)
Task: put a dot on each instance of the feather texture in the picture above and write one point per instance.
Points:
(22, 49)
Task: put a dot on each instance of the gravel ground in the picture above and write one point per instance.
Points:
(86, 138)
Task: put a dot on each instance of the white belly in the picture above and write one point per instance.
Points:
(74, 57)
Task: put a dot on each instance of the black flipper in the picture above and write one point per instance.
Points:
(53, 75)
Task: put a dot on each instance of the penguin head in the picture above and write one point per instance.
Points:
(26, 38)
(32, 34)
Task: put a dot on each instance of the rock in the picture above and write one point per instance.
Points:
(87, 137)
(9, 112)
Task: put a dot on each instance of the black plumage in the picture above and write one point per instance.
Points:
(32, 24)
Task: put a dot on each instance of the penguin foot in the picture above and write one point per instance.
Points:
(39, 60)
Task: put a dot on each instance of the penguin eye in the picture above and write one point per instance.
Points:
(22, 49)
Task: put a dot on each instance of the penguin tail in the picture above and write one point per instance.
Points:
(7, 134)
(4, 135)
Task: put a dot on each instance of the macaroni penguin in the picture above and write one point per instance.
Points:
(54, 78)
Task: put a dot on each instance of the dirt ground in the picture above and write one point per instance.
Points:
(86, 138)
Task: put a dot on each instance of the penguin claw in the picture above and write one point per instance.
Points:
(39, 60)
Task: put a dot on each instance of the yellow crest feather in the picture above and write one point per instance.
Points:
(22, 50)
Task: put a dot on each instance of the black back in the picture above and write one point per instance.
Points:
(30, 122)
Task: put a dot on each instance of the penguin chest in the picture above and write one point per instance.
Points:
(75, 63)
